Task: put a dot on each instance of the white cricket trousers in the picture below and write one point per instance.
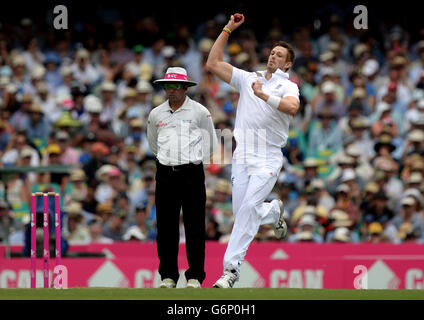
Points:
(252, 183)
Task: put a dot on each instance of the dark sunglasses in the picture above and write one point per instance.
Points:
(177, 86)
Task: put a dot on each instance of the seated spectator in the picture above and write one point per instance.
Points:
(375, 234)
(96, 229)
(115, 226)
(341, 235)
(325, 134)
(141, 229)
(378, 211)
(76, 230)
(327, 99)
(307, 224)
(410, 214)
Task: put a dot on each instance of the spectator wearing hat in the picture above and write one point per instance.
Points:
(141, 230)
(378, 211)
(363, 141)
(414, 144)
(67, 79)
(180, 169)
(325, 134)
(17, 143)
(76, 231)
(18, 71)
(306, 228)
(69, 154)
(348, 196)
(384, 147)
(323, 197)
(362, 167)
(361, 90)
(111, 184)
(341, 235)
(95, 228)
(109, 101)
(53, 78)
(47, 102)
(77, 187)
(417, 67)
(93, 108)
(415, 110)
(19, 118)
(82, 68)
(327, 99)
(409, 213)
(144, 98)
(375, 234)
(115, 227)
(37, 74)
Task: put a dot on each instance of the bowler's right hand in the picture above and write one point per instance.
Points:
(232, 24)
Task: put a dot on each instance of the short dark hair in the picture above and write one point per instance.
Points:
(290, 52)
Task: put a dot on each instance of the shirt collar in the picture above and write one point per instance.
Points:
(185, 106)
(278, 73)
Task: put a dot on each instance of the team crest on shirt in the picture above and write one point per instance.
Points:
(278, 87)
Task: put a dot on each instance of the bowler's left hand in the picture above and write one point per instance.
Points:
(257, 88)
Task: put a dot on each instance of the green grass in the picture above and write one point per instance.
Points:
(208, 294)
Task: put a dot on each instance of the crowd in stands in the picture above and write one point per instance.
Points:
(353, 169)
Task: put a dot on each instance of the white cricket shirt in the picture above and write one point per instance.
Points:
(261, 131)
(184, 136)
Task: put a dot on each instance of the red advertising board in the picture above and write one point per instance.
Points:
(270, 264)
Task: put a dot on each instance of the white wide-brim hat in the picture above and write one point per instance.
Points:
(176, 75)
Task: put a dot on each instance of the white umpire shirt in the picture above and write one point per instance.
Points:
(261, 131)
(184, 136)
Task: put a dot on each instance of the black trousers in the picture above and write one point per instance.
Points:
(177, 188)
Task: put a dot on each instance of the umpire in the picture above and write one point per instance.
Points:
(181, 135)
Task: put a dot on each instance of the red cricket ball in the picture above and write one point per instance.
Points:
(237, 17)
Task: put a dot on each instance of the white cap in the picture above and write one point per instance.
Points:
(382, 107)
(343, 188)
(92, 104)
(409, 201)
(370, 67)
(348, 174)
(144, 87)
(168, 51)
(342, 234)
(133, 232)
(65, 70)
(38, 72)
(328, 87)
(108, 86)
(420, 104)
(307, 219)
(328, 55)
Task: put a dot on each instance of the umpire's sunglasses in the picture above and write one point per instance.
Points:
(175, 86)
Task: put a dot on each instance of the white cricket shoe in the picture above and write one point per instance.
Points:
(167, 283)
(227, 280)
(193, 283)
(280, 228)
